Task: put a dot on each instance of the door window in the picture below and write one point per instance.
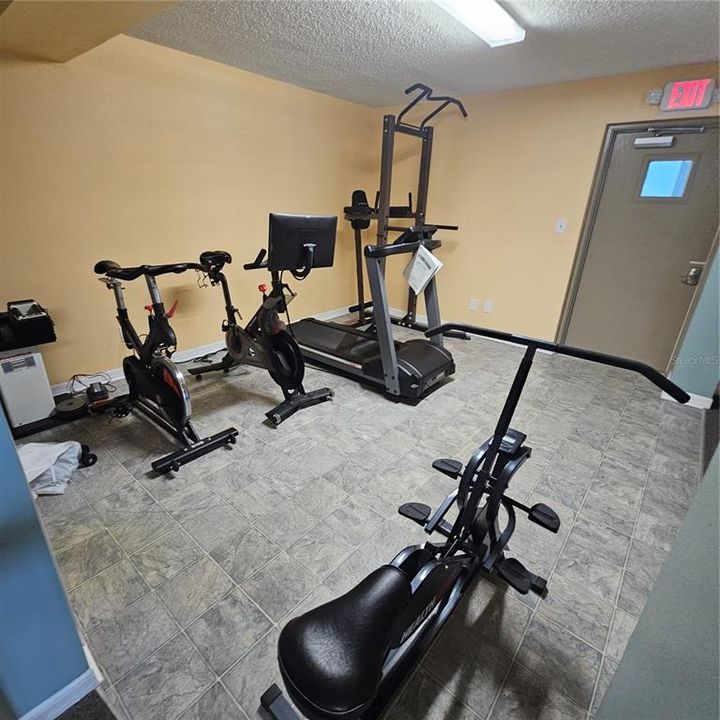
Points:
(666, 178)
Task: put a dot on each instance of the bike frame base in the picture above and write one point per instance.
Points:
(297, 401)
(196, 450)
(193, 448)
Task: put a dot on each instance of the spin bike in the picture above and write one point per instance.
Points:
(155, 384)
(348, 658)
(265, 341)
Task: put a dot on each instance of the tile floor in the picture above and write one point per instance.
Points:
(180, 584)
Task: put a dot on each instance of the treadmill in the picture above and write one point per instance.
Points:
(409, 369)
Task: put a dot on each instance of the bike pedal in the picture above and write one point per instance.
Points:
(417, 512)
(451, 468)
(544, 516)
(514, 573)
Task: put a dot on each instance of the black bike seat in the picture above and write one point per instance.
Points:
(331, 658)
(113, 270)
(215, 258)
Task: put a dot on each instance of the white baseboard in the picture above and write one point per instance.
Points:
(184, 355)
(696, 401)
(180, 356)
(332, 314)
(64, 698)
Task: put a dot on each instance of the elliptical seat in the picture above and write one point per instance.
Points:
(331, 658)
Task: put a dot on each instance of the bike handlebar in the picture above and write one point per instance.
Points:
(113, 270)
(646, 371)
(258, 262)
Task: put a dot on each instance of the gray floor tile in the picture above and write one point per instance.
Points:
(581, 612)
(167, 683)
(244, 554)
(566, 483)
(124, 503)
(70, 528)
(526, 697)
(622, 628)
(320, 497)
(634, 593)
(609, 666)
(617, 470)
(214, 704)
(645, 560)
(213, 526)
(107, 476)
(320, 550)
(53, 507)
(128, 638)
(253, 674)
(320, 459)
(165, 557)
(425, 698)
(614, 504)
(280, 585)
(191, 592)
(477, 668)
(142, 528)
(107, 594)
(86, 559)
(287, 522)
(229, 479)
(228, 630)
(493, 612)
(256, 500)
(585, 567)
(191, 501)
(566, 663)
(592, 535)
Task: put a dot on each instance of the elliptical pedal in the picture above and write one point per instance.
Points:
(514, 573)
(415, 511)
(451, 468)
(544, 516)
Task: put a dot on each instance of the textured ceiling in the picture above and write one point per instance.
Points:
(367, 51)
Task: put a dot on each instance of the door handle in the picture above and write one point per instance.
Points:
(695, 268)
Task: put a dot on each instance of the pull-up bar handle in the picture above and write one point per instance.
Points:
(648, 372)
(425, 93)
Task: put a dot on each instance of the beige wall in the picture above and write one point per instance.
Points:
(142, 154)
(521, 160)
(139, 153)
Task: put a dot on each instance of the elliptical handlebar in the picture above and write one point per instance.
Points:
(650, 373)
(426, 94)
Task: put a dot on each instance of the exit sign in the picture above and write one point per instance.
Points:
(687, 95)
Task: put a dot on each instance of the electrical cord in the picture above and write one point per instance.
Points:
(84, 380)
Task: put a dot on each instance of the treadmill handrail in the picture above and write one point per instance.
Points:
(381, 251)
(655, 377)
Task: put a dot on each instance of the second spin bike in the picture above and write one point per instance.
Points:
(156, 386)
(297, 244)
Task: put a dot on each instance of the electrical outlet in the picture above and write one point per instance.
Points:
(488, 306)
(560, 225)
(473, 305)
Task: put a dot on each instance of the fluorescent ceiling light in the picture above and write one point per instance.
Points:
(486, 19)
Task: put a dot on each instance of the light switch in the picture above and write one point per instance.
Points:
(560, 224)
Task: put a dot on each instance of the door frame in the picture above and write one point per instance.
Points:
(591, 211)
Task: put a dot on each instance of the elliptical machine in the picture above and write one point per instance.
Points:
(156, 386)
(348, 658)
(265, 341)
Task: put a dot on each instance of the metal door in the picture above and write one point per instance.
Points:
(648, 232)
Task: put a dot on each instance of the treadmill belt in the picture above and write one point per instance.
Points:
(340, 341)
